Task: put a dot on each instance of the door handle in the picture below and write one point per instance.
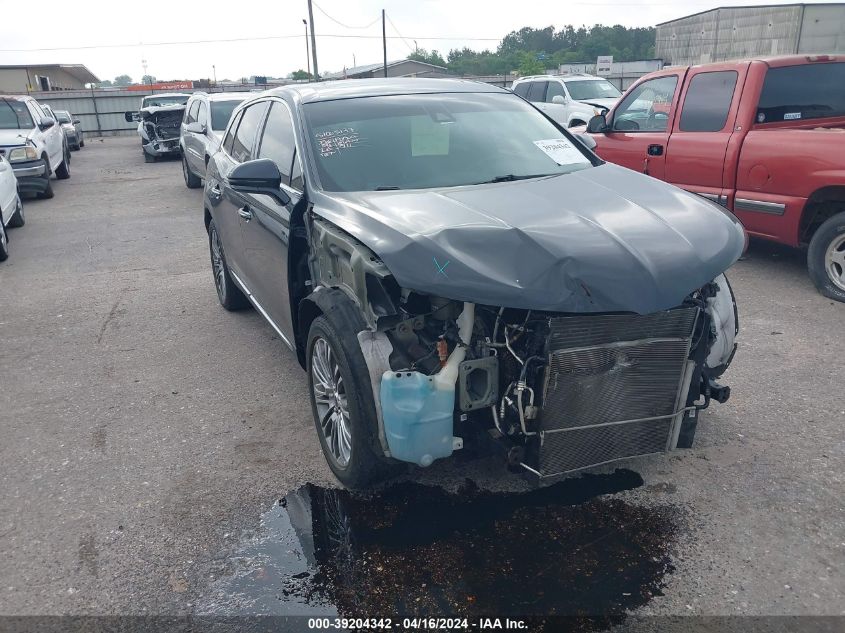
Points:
(655, 150)
(245, 213)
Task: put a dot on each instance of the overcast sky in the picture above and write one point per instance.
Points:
(113, 38)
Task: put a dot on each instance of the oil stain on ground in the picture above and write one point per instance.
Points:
(415, 550)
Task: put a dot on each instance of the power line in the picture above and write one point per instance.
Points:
(411, 48)
(338, 22)
(245, 39)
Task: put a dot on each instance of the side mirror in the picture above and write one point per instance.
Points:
(260, 176)
(588, 141)
(76, 121)
(196, 127)
(559, 99)
(46, 123)
(131, 116)
(597, 125)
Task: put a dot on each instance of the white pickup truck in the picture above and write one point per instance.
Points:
(33, 143)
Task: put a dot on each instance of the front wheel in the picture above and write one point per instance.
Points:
(342, 404)
(826, 258)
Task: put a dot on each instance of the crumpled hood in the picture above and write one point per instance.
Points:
(14, 137)
(603, 239)
(152, 112)
(600, 103)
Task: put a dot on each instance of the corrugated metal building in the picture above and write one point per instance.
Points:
(738, 32)
(21, 79)
(398, 68)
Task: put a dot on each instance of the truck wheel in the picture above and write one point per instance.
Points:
(826, 258)
(342, 404)
(4, 243)
(192, 181)
(18, 219)
(148, 158)
(63, 170)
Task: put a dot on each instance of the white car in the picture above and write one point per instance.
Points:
(571, 99)
(11, 209)
(34, 143)
(206, 117)
(159, 120)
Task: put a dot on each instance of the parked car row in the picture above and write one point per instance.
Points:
(35, 144)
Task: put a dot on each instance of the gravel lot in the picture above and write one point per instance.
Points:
(144, 429)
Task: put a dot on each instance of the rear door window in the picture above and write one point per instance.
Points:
(708, 101)
(247, 129)
(537, 91)
(522, 89)
(809, 91)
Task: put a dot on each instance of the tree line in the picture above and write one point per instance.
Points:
(531, 51)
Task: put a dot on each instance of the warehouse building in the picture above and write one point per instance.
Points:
(739, 32)
(44, 77)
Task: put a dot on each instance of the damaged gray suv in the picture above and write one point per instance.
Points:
(451, 266)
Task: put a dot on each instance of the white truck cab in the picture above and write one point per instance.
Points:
(571, 99)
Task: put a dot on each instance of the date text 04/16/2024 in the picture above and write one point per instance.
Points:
(414, 624)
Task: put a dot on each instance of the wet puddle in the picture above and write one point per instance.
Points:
(415, 550)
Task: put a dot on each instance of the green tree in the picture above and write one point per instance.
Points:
(148, 79)
(106, 83)
(299, 75)
(530, 65)
(422, 55)
(122, 80)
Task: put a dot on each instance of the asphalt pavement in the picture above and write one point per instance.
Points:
(144, 430)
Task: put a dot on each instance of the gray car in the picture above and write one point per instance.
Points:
(72, 128)
(206, 116)
(452, 266)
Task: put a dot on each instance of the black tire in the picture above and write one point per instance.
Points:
(4, 243)
(148, 158)
(82, 143)
(63, 170)
(48, 192)
(829, 236)
(228, 293)
(18, 219)
(363, 466)
(192, 181)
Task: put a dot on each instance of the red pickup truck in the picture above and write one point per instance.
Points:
(765, 138)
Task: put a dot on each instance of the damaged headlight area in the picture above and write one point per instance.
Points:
(160, 128)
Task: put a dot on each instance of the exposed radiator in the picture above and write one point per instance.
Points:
(614, 387)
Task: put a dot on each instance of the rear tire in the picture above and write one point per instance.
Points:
(826, 258)
(230, 296)
(4, 243)
(18, 219)
(192, 181)
(63, 170)
(82, 143)
(342, 404)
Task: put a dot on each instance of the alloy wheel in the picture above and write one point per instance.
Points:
(834, 261)
(329, 391)
(217, 265)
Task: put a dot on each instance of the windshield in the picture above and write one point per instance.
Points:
(62, 116)
(435, 140)
(155, 100)
(14, 115)
(592, 89)
(221, 112)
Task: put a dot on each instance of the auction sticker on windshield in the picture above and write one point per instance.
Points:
(561, 151)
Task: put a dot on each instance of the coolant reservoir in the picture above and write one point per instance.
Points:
(417, 411)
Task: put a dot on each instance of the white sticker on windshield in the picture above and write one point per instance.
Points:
(560, 151)
(791, 115)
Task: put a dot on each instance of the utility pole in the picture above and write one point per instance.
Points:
(307, 52)
(383, 40)
(313, 41)
(214, 70)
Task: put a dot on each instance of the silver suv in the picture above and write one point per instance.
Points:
(206, 116)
